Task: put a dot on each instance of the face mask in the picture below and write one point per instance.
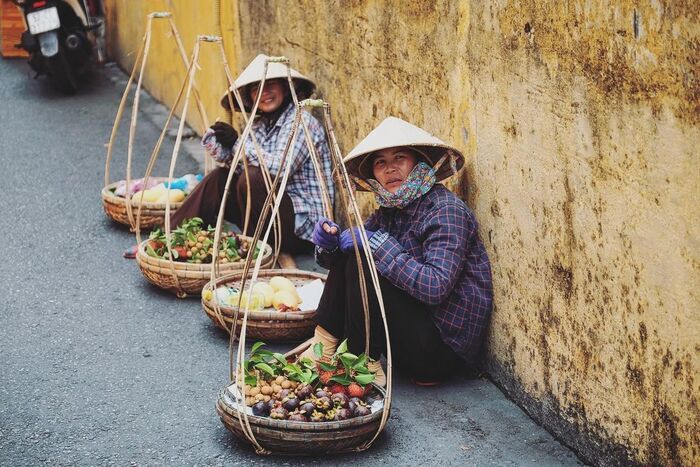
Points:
(419, 182)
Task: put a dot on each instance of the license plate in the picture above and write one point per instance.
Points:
(43, 20)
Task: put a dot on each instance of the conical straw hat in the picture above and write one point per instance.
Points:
(253, 73)
(393, 132)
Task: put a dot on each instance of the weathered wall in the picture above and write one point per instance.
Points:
(581, 122)
(165, 71)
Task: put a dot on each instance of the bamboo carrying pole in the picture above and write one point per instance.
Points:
(186, 89)
(140, 64)
(273, 202)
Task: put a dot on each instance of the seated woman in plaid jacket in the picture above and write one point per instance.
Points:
(301, 206)
(434, 273)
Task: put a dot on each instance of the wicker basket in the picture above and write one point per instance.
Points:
(152, 214)
(190, 277)
(269, 324)
(301, 438)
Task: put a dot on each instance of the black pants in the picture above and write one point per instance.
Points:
(205, 201)
(417, 348)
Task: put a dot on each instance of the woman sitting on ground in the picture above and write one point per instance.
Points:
(435, 275)
(301, 205)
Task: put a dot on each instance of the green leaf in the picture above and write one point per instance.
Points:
(327, 366)
(362, 369)
(342, 348)
(348, 360)
(364, 379)
(291, 368)
(360, 362)
(342, 379)
(151, 252)
(251, 380)
(266, 368)
(255, 347)
(318, 350)
(307, 362)
(176, 255)
(280, 358)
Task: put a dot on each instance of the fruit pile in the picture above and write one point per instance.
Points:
(279, 293)
(193, 244)
(157, 192)
(305, 391)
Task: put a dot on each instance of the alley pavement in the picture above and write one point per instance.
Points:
(97, 367)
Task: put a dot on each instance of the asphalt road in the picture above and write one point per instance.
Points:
(99, 368)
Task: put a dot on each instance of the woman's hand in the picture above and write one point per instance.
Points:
(346, 244)
(225, 134)
(325, 234)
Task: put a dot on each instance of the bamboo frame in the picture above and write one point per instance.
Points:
(140, 64)
(273, 202)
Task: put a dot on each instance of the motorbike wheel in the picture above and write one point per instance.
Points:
(62, 75)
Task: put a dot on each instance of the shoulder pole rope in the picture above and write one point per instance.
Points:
(353, 212)
(266, 178)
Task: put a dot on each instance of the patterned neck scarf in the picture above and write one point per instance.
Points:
(419, 182)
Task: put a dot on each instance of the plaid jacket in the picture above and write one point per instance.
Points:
(303, 187)
(432, 250)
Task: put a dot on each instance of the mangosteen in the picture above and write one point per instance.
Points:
(261, 409)
(321, 393)
(290, 403)
(279, 413)
(307, 407)
(317, 416)
(297, 417)
(362, 410)
(284, 393)
(271, 404)
(303, 391)
(340, 400)
(323, 403)
(342, 414)
(352, 405)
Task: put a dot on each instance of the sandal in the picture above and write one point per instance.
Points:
(130, 253)
(425, 383)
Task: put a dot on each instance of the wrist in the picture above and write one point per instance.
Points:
(377, 239)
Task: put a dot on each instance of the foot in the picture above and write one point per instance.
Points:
(425, 382)
(379, 376)
(130, 253)
(329, 341)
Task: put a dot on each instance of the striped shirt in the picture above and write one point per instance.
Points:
(303, 186)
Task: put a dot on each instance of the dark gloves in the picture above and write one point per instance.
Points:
(325, 234)
(225, 134)
(346, 244)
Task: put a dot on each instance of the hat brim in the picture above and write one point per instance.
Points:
(303, 87)
(359, 165)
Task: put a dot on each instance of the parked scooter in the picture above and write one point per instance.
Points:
(59, 39)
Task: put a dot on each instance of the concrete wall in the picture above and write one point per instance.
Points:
(581, 125)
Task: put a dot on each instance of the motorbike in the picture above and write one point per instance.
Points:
(60, 40)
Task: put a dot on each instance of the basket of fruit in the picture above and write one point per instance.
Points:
(283, 303)
(304, 408)
(153, 199)
(192, 248)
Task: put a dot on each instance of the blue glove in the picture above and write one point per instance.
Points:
(321, 237)
(346, 245)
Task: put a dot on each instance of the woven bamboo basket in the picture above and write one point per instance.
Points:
(152, 214)
(302, 438)
(268, 324)
(190, 277)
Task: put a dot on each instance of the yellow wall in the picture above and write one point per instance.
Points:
(581, 123)
(165, 70)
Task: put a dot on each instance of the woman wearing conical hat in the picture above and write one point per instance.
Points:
(434, 272)
(301, 206)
